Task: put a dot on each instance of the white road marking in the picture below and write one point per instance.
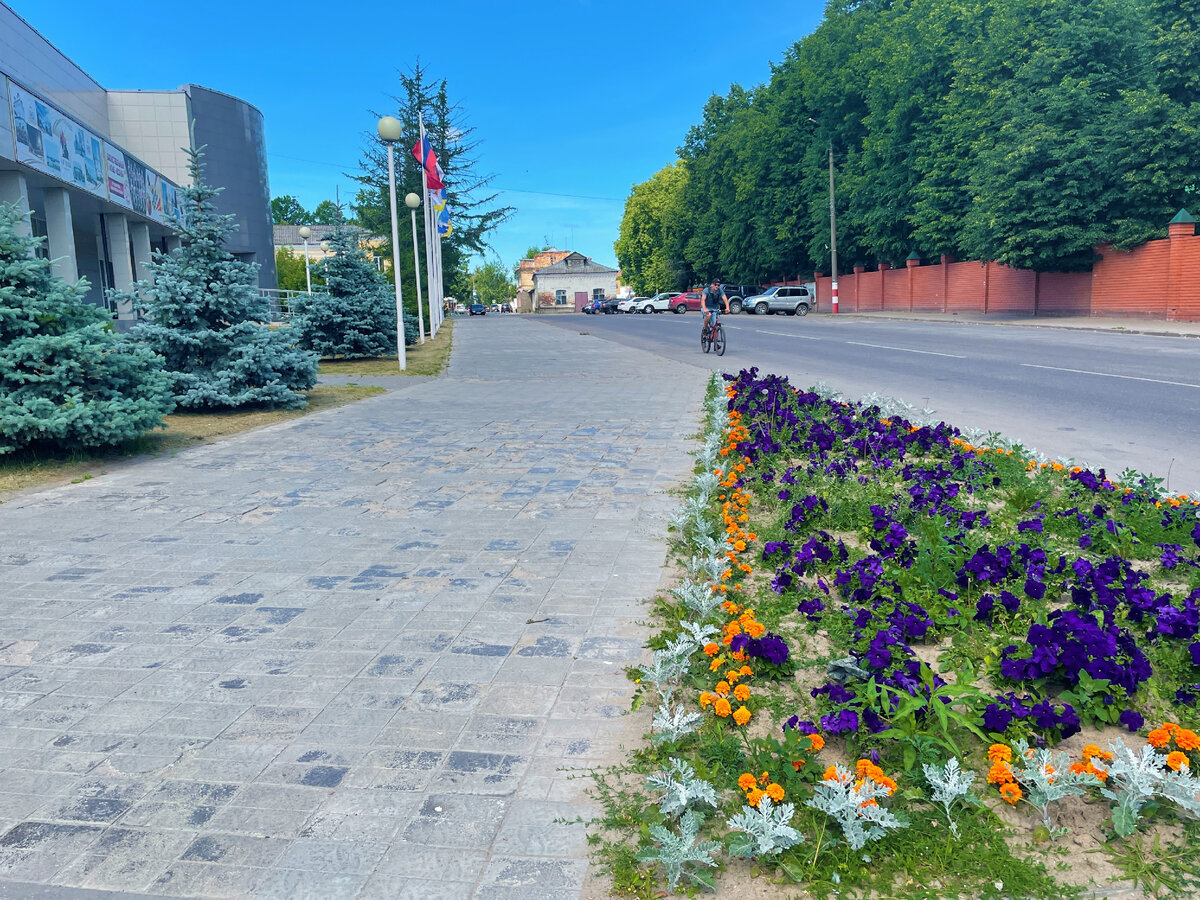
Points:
(1112, 375)
(803, 337)
(906, 350)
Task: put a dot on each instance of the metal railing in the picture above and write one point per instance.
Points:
(280, 302)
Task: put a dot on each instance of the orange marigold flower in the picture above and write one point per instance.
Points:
(755, 796)
(1177, 760)
(1186, 739)
(756, 629)
(730, 607)
(999, 773)
(797, 764)
(775, 792)
(742, 716)
(746, 671)
(722, 687)
(1170, 727)
(831, 774)
(716, 664)
(742, 693)
(739, 546)
(1078, 768)
(1089, 751)
(817, 742)
(732, 676)
(746, 781)
(711, 648)
(1010, 793)
(999, 752)
(721, 707)
(706, 700)
(1158, 738)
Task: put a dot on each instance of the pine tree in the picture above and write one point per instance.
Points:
(206, 319)
(67, 380)
(355, 316)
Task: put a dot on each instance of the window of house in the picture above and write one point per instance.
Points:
(560, 298)
(597, 293)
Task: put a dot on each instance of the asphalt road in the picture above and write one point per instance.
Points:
(1105, 399)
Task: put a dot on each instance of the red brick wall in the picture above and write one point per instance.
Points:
(1160, 279)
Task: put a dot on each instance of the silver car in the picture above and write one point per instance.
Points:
(794, 300)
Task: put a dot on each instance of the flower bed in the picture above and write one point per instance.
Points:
(958, 609)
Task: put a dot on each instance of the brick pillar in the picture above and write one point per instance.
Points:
(946, 259)
(911, 263)
(1180, 227)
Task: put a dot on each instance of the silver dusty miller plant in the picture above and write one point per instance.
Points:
(700, 599)
(682, 789)
(671, 722)
(765, 830)
(675, 851)
(949, 783)
(847, 802)
(1134, 779)
(1047, 778)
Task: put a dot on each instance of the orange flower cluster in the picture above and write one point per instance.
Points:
(865, 771)
(1181, 745)
(816, 743)
(757, 788)
(1090, 754)
(741, 621)
(1001, 773)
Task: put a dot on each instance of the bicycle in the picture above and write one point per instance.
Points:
(712, 335)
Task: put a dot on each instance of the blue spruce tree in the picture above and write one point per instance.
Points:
(67, 380)
(205, 317)
(354, 317)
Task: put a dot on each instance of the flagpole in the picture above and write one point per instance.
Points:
(428, 217)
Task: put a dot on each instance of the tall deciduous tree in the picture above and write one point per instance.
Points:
(647, 252)
(67, 381)
(206, 319)
(287, 210)
(492, 283)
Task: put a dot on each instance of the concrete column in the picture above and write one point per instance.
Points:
(60, 235)
(13, 189)
(139, 232)
(173, 243)
(117, 228)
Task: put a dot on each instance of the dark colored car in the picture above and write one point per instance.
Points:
(737, 293)
(478, 309)
(608, 305)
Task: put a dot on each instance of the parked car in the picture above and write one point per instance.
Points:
(608, 305)
(478, 309)
(794, 300)
(630, 304)
(681, 303)
(656, 304)
(460, 307)
(736, 294)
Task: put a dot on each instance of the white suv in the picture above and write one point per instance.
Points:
(656, 304)
(794, 300)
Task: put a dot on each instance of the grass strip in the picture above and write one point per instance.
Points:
(429, 358)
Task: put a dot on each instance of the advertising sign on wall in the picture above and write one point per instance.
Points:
(118, 178)
(47, 140)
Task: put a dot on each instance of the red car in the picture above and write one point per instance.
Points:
(681, 303)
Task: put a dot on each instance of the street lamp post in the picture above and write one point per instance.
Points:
(412, 201)
(832, 227)
(390, 131)
(305, 234)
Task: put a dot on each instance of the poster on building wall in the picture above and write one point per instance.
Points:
(154, 195)
(172, 202)
(49, 141)
(118, 178)
(135, 174)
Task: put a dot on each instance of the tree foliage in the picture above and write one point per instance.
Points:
(492, 283)
(289, 270)
(354, 317)
(287, 210)
(471, 204)
(205, 317)
(648, 247)
(1025, 132)
(67, 380)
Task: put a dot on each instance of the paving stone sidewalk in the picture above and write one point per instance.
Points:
(351, 655)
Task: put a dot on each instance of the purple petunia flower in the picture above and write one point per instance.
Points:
(1132, 719)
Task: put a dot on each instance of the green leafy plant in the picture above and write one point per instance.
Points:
(678, 854)
(681, 788)
(764, 830)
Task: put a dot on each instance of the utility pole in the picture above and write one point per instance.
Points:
(833, 230)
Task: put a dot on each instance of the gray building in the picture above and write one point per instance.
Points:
(100, 170)
(572, 283)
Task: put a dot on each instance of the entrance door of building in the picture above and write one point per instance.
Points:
(581, 300)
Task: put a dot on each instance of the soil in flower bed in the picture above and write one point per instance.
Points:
(934, 598)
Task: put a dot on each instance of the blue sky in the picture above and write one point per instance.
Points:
(574, 101)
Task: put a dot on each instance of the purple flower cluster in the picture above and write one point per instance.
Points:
(1044, 714)
(770, 647)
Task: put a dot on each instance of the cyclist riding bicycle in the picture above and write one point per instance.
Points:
(714, 300)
